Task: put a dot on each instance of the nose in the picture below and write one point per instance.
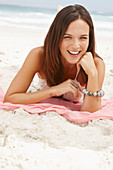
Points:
(76, 43)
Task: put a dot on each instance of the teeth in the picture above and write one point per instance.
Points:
(72, 52)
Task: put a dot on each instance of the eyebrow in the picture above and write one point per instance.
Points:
(81, 35)
(67, 34)
(84, 35)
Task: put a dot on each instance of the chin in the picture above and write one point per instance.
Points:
(73, 61)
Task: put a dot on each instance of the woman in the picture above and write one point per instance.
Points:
(65, 64)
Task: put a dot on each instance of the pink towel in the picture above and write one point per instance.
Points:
(68, 109)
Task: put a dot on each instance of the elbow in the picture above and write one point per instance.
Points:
(91, 109)
(5, 99)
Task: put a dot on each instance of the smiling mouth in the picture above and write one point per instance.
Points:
(73, 52)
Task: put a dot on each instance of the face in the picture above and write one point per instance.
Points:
(75, 42)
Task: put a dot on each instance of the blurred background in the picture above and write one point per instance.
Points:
(39, 14)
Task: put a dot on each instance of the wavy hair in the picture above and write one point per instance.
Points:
(52, 65)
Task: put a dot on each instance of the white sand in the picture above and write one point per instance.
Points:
(49, 141)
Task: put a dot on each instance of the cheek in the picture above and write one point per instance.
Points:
(62, 47)
(64, 44)
(85, 45)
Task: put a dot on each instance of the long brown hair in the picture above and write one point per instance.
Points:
(52, 65)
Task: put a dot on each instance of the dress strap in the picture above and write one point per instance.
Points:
(77, 74)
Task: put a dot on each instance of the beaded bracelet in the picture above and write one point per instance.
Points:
(99, 93)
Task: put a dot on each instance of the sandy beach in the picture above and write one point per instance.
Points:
(49, 141)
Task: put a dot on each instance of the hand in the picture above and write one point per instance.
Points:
(87, 63)
(67, 86)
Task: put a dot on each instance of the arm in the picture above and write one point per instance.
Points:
(95, 69)
(16, 93)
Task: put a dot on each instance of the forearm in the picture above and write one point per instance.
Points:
(30, 98)
(92, 103)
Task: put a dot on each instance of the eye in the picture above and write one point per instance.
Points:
(84, 38)
(67, 36)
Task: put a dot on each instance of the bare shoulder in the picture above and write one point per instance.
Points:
(99, 63)
(34, 58)
(37, 51)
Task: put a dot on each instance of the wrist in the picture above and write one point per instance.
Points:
(93, 74)
(92, 84)
(99, 93)
(52, 91)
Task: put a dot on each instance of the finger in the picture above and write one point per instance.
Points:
(74, 90)
(78, 85)
(75, 84)
(73, 87)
